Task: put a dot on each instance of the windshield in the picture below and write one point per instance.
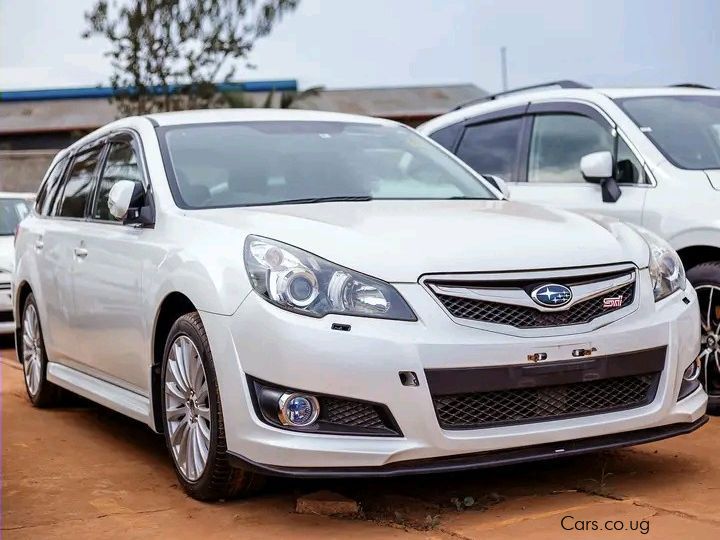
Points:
(686, 129)
(12, 211)
(260, 163)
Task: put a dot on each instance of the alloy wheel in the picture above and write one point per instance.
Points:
(32, 350)
(187, 408)
(709, 296)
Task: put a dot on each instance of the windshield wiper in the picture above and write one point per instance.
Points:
(310, 200)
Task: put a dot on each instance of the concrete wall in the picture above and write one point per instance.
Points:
(23, 170)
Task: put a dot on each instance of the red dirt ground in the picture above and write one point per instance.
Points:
(86, 472)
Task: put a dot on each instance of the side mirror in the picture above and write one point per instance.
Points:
(597, 166)
(498, 183)
(598, 169)
(125, 201)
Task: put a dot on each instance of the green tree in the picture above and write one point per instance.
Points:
(170, 54)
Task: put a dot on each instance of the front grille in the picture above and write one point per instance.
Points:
(524, 405)
(346, 412)
(527, 317)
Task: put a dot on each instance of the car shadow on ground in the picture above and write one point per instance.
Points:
(7, 341)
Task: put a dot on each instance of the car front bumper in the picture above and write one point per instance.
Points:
(299, 352)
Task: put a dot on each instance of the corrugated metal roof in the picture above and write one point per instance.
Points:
(414, 102)
(394, 102)
(43, 116)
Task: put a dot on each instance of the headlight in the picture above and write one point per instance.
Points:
(304, 283)
(666, 268)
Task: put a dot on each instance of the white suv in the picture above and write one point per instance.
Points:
(646, 156)
(313, 294)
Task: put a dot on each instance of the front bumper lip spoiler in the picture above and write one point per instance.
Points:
(714, 404)
(465, 462)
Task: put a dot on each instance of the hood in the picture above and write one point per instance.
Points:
(398, 241)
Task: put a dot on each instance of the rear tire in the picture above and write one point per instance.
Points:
(192, 417)
(31, 352)
(705, 278)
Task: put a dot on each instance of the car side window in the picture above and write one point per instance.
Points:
(121, 164)
(49, 188)
(492, 148)
(628, 169)
(78, 185)
(558, 143)
(447, 136)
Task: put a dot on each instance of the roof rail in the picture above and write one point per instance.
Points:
(692, 85)
(561, 84)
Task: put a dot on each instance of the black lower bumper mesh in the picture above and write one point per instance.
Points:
(524, 405)
(346, 412)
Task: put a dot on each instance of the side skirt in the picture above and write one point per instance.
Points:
(111, 396)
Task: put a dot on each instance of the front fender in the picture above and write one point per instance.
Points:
(215, 286)
(698, 236)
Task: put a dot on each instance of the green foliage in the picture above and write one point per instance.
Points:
(171, 53)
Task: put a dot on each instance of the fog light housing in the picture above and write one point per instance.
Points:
(298, 410)
(690, 381)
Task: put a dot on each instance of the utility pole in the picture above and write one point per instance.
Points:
(503, 68)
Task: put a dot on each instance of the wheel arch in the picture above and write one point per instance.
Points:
(697, 254)
(21, 293)
(175, 304)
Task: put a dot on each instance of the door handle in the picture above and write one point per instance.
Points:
(80, 253)
(39, 244)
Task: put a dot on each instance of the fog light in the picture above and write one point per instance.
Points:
(298, 410)
(693, 371)
(690, 381)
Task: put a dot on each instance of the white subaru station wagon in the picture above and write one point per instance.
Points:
(312, 294)
(650, 156)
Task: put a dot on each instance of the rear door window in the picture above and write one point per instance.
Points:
(79, 184)
(49, 188)
(446, 137)
(492, 148)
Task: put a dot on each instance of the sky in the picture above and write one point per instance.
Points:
(367, 43)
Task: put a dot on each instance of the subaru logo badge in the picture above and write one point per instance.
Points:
(551, 295)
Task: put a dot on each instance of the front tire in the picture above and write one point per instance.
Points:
(193, 419)
(31, 351)
(705, 278)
